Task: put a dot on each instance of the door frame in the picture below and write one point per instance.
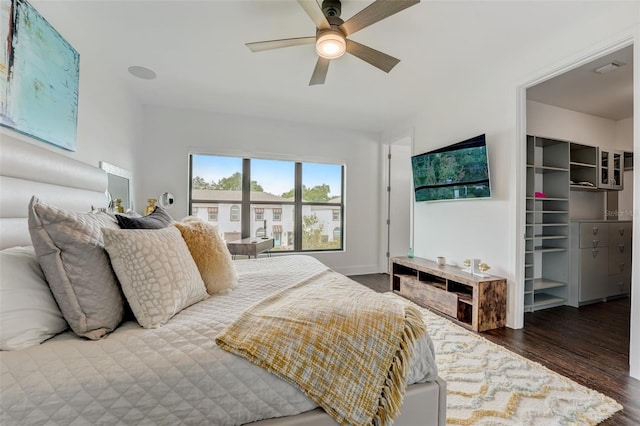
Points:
(402, 136)
(628, 38)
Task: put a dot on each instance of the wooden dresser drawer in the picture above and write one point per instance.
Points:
(430, 296)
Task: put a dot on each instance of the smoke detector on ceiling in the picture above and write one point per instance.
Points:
(611, 66)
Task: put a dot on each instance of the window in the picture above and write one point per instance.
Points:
(299, 205)
(234, 214)
(277, 235)
(213, 214)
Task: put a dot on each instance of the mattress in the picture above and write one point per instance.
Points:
(170, 375)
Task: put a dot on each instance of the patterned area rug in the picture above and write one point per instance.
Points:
(490, 385)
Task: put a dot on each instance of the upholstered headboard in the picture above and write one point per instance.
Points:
(27, 170)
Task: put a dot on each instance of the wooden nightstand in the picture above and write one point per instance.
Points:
(249, 246)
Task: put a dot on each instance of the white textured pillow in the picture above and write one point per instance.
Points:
(28, 313)
(156, 271)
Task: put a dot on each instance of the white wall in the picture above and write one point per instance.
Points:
(107, 122)
(108, 116)
(482, 97)
(559, 123)
(634, 335)
(171, 134)
(624, 134)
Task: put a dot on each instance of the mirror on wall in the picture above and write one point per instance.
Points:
(119, 185)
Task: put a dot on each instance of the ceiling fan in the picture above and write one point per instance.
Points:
(331, 34)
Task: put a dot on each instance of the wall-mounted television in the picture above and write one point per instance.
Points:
(455, 172)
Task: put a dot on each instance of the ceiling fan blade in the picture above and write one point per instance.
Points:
(259, 46)
(320, 71)
(315, 13)
(376, 11)
(374, 57)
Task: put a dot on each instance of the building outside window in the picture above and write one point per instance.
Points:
(213, 214)
(303, 198)
(234, 214)
(277, 235)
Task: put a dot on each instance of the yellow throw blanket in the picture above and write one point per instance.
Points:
(345, 346)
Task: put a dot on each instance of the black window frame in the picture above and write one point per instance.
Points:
(298, 203)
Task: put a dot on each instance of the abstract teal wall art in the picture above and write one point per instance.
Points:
(40, 73)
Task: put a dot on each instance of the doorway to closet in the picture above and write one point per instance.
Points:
(579, 206)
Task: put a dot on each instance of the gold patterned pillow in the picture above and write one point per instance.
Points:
(210, 253)
(156, 271)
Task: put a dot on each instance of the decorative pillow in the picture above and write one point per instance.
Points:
(71, 253)
(158, 275)
(158, 219)
(28, 313)
(210, 254)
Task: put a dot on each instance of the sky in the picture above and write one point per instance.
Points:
(275, 177)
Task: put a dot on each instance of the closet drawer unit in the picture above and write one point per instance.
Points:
(620, 234)
(619, 248)
(594, 276)
(619, 263)
(619, 284)
(594, 234)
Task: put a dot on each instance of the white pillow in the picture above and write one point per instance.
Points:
(156, 271)
(29, 314)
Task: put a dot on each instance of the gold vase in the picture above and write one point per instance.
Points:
(118, 205)
(151, 206)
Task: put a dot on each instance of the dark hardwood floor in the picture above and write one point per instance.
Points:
(589, 345)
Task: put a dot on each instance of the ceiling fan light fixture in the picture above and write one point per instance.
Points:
(330, 44)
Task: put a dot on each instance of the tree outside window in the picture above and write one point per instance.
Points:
(303, 199)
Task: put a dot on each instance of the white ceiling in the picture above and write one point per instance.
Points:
(197, 50)
(607, 95)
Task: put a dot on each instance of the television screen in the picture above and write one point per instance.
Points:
(459, 171)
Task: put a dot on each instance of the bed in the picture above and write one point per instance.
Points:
(173, 374)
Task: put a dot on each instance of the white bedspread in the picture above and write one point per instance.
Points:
(171, 375)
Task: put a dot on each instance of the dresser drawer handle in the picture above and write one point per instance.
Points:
(595, 243)
(595, 230)
(621, 248)
(621, 267)
(594, 253)
(621, 231)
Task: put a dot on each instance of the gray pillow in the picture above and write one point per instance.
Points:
(71, 253)
(158, 219)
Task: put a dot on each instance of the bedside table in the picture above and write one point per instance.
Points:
(249, 247)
